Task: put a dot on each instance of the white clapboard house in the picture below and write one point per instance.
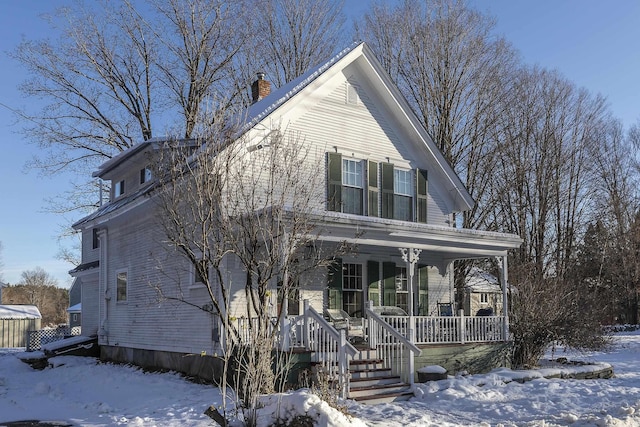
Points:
(384, 177)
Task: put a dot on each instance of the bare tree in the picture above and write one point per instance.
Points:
(1, 264)
(39, 288)
(610, 255)
(225, 199)
(455, 73)
(542, 191)
(291, 36)
(118, 72)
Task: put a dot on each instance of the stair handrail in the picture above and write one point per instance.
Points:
(335, 334)
(379, 320)
(339, 350)
(414, 351)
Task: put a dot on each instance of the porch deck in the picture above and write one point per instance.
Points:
(394, 338)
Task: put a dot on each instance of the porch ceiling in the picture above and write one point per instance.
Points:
(443, 244)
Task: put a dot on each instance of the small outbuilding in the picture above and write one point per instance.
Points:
(75, 315)
(15, 322)
(483, 294)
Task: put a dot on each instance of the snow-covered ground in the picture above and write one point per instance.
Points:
(84, 392)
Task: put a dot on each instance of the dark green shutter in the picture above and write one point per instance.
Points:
(386, 189)
(421, 195)
(389, 283)
(373, 277)
(372, 182)
(334, 182)
(335, 284)
(423, 290)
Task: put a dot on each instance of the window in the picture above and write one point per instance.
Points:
(119, 189)
(201, 272)
(484, 298)
(402, 197)
(351, 288)
(145, 175)
(95, 244)
(292, 296)
(75, 317)
(402, 288)
(121, 285)
(389, 192)
(352, 181)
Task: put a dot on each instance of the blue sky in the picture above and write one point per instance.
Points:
(594, 43)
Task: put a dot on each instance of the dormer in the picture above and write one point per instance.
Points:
(129, 171)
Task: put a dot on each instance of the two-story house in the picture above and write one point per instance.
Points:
(384, 177)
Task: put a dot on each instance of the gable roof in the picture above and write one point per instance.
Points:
(262, 109)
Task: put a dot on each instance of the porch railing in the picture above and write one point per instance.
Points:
(451, 329)
(394, 347)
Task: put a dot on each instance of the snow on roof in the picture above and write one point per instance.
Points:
(479, 280)
(19, 312)
(76, 307)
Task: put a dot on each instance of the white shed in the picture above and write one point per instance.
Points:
(15, 322)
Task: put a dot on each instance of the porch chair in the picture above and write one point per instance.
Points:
(341, 320)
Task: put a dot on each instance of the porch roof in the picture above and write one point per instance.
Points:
(441, 245)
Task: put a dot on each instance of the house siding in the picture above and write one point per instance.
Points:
(363, 132)
(90, 300)
(145, 319)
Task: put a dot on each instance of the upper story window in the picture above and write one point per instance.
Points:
(365, 187)
(119, 189)
(145, 175)
(403, 195)
(95, 243)
(352, 191)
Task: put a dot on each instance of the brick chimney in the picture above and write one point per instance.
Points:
(260, 88)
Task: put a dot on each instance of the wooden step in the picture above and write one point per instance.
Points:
(395, 396)
(370, 390)
(382, 380)
(369, 373)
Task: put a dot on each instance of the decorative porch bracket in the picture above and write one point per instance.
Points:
(410, 256)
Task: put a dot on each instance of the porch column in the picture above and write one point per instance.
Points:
(502, 262)
(410, 256)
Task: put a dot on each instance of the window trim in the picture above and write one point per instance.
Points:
(358, 185)
(126, 284)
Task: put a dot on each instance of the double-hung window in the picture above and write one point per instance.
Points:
(366, 187)
(351, 287)
(402, 195)
(352, 186)
(402, 288)
(121, 285)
